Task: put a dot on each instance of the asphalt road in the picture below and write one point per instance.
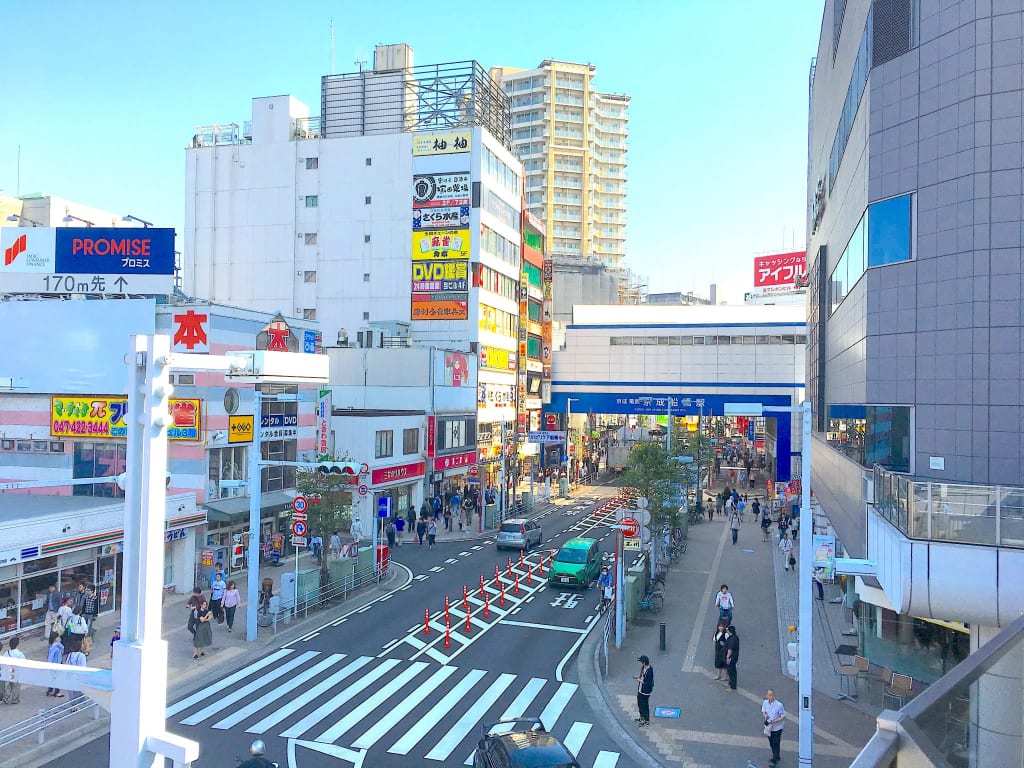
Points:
(372, 688)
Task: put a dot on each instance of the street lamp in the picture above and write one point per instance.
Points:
(70, 218)
(145, 224)
(806, 743)
(17, 219)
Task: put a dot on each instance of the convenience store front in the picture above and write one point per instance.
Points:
(67, 540)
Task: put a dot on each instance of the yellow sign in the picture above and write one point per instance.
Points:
(241, 428)
(103, 417)
(441, 244)
(439, 310)
(441, 143)
(497, 359)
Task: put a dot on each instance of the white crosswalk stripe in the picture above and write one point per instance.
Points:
(431, 710)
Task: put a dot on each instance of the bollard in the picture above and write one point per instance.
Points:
(447, 641)
(661, 635)
(529, 574)
(497, 573)
(501, 601)
(467, 622)
(510, 566)
(487, 607)
(426, 621)
(540, 566)
(446, 608)
(517, 584)
(520, 558)
(481, 582)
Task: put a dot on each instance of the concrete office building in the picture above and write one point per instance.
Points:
(572, 140)
(914, 335)
(393, 218)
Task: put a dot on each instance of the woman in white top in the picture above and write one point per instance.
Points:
(724, 603)
(786, 547)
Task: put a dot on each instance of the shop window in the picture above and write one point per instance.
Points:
(847, 425)
(410, 440)
(71, 577)
(277, 478)
(384, 444)
(888, 437)
(228, 470)
(10, 599)
(96, 459)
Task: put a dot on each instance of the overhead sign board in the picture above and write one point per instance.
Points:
(545, 437)
(240, 429)
(96, 260)
(96, 417)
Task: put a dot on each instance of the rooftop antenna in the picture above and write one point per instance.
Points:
(332, 46)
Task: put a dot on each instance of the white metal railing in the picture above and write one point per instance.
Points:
(44, 723)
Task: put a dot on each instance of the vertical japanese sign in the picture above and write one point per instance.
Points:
(323, 423)
(431, 427)
(546, 279)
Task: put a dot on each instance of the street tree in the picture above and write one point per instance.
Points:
(329, 496)
(658, 479)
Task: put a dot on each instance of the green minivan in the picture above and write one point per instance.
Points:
(577, 564)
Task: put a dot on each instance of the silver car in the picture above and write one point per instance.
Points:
(518, 533)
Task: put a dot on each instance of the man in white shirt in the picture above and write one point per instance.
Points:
(774, 720)
(10, 692)
(724, 603)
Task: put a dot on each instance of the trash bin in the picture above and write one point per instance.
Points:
(383, 560)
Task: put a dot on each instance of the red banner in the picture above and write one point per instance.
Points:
(467, 459)
(779, 269)
(430, 436)
(401, 472)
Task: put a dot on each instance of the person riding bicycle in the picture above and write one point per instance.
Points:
(257, 750)
(604, 581)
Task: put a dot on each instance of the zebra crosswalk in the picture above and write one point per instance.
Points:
(420, 709)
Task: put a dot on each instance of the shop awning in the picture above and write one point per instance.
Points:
(236, 508)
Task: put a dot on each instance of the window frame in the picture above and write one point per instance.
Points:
(384, 444)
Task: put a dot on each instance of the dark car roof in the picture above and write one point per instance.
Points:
(535, 749)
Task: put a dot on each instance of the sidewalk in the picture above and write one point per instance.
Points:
(229, 651)
(717, 727)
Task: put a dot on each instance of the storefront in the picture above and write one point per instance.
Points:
(67, 541)
(397, 488)
(454, 470)
(226, 539)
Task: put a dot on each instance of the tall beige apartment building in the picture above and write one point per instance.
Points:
(572, 141)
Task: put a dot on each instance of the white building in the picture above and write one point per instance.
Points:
(377, 232)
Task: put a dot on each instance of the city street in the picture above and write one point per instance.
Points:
(373, 688)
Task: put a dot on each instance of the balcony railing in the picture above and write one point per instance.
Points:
(992, 515)
(307, 128)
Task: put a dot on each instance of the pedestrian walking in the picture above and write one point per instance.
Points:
(192, 604)
(819, 581)
(400, 529)
(203, 637)
(431, 533)
(447, 520)
(421, 529)
(774, 715)
(55, 655)
(734, 526)
(334, 544)
(786, 548)
(390, 531)
(410, 518)
(52, 606)
(766, 528)
(217, 588)
(10, 689)
(75, 659)
(732, 655)
(78, 597)
(78, 630)
(90, 609)
(725, 603)
(719, 643)
(232, 599)
(645, 687)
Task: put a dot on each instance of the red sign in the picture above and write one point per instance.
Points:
(552, 422)
(467, 459)
(631, 526)
(190, 332)
(430, 436)
(474, 471)
(402, 472)
(779, 269)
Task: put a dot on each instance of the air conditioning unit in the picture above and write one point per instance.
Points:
(342, 338)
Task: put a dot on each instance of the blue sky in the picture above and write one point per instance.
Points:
(103, 103)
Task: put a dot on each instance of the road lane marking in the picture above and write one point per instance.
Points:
(331, 705)
(555, 627)
(227, 681)
(557, 704)
(378, 699)
(443, 749)
(436, 569)
(403, 708)
(435, 714)
(578, 733)
(307, 696)
(255, 706)
(606, 759)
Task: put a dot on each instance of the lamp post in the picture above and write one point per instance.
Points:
(70, 218)
(145, 224)
(806, 554)
(15, 218)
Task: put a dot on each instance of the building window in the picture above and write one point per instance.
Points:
(889, 231)
(410, 441)
(871, 434)
(366, 315)
(369, 161)
(96, 459)
(367, 200)
(309, 314)
(312, 163)
(366, 277)
(228, 470)
(384, 444)
(309, 276)
(311, 238)
(312, 201)
(366, 238)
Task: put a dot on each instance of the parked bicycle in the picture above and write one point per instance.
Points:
(653, 602)
(263, 615)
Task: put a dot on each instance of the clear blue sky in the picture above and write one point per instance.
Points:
(103, 97)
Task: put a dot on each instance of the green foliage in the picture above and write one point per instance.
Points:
(653, 476)
(333, 512)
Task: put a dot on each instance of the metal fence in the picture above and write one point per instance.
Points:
(52, 722)
(327, 595)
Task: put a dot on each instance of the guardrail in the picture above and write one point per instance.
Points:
(330, 593)
(46, 719)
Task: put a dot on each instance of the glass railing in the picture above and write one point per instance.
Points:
(971, 716)
(992, 515)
